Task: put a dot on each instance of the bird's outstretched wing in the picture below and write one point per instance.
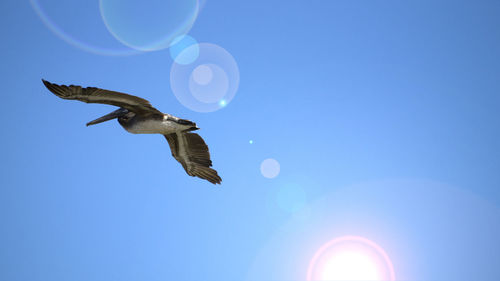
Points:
(192, 152)
(96, 95)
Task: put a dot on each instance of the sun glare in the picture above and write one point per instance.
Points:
(350, 258)
(349, 265)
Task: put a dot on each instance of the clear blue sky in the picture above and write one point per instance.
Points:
(383, 115)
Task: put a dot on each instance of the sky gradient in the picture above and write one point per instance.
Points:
(383, 117)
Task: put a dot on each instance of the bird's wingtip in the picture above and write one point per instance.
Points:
(217, 180)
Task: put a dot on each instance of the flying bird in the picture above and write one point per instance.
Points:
(138, 116)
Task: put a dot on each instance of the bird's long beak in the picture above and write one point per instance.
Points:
(115, 114)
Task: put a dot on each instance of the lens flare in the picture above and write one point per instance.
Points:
(203, 74)
(350, 258)
(270, 168)
(207, 84)
(350, 265)
(179, 49)
(148, 25)
(76, 32)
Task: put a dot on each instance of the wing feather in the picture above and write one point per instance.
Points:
(191, 151)
(96, 95)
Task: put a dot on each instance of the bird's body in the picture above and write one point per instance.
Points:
(152, 125)
(137, 116)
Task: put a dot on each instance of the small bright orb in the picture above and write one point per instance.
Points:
(351, 258)
(270, 168)
(222, 103)
(250, 141)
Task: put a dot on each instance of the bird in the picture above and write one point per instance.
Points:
(137, 116)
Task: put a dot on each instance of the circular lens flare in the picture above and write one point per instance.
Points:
(203, 74)
(148, 25)
(350, 258)
(184, 49)
(270, 168)
(207, 84)
(66, 33)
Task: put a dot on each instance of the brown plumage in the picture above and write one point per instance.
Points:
(138, 116)
(190, 150)
(96, 95)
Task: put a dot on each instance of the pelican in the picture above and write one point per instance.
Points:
(138, 116)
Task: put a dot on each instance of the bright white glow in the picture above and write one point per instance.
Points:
(350, 265)
(352, 258)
